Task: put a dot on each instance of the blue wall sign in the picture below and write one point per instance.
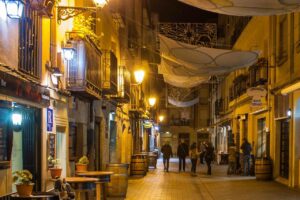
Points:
(49, 120)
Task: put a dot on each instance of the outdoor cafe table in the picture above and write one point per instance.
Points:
(103, 176)
(79, 182)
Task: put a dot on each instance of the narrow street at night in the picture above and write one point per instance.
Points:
(172, 185)
(97, 96)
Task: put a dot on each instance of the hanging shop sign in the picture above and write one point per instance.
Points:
(257, 94)
(13, 86)
(49, 119)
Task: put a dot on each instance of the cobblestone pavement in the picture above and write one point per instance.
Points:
(172, 185)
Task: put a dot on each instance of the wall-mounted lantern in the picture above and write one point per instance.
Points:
(68, 51)
(16, 118)
(139, 76)
(289, 112)
(14, 8)
(161, 118)
(152, 101)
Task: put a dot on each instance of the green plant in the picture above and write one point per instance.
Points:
(55, 162)
(22, 177)
(85, 26)
(84, 160)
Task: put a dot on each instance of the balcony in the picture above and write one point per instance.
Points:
(257, 76)
(84, 70)
(180, 122)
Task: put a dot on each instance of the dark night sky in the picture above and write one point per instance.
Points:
(175, 11)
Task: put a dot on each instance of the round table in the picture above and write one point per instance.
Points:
(102, 176)
(79, 182)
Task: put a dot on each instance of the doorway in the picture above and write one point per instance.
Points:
(26, 152)
(284, 148)
(261, 138)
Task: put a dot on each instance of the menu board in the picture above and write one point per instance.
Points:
(51, 148)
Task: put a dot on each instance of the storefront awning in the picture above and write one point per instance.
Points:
(246, 7)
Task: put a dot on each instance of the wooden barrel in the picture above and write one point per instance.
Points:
(152, 159)
(137, 167)
(117, 187)
(146, 160)
(263, 169)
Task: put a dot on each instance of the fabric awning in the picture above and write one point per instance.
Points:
(183, 103)
(185, 65)
(247, 7)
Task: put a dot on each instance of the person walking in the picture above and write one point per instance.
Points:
(193, 156)
(167, 153)
(209, 156)
(202, 152)
(246, 148)
(182, 152)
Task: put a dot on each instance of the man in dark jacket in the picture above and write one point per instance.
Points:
(167, 153)
(182, 152)
(246, 148)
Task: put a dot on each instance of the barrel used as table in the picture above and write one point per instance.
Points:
(152, 159)
(137, 167)
(263, 169)
(146, 160)
(119, 180)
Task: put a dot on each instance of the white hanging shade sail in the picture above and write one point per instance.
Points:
(184, 81)
(183, 103)
(189, 60)
(247, 7)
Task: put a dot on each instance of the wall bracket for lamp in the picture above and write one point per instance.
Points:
(67, 12)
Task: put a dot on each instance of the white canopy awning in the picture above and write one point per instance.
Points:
(183, 103)
(185, 65)
(246, 7)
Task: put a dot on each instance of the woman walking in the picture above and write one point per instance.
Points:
(193, 156)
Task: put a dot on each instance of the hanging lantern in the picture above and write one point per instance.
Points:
(139, 76)
(100, 3)
(152, 101)
(14, 8)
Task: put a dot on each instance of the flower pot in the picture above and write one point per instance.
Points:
(24, 190)
(55, 172)
(81, 167)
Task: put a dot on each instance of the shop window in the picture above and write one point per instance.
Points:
(284, 149)
(28, 51)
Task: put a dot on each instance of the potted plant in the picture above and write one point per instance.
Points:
(81, 165)
(56, 169)
(23, 181)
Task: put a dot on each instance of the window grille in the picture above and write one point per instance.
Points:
(28, 43)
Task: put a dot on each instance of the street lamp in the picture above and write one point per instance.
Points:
(139, 76)
(161, 118)
(14, 8)
(100, 3)
(68, 51)
(152, 101)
